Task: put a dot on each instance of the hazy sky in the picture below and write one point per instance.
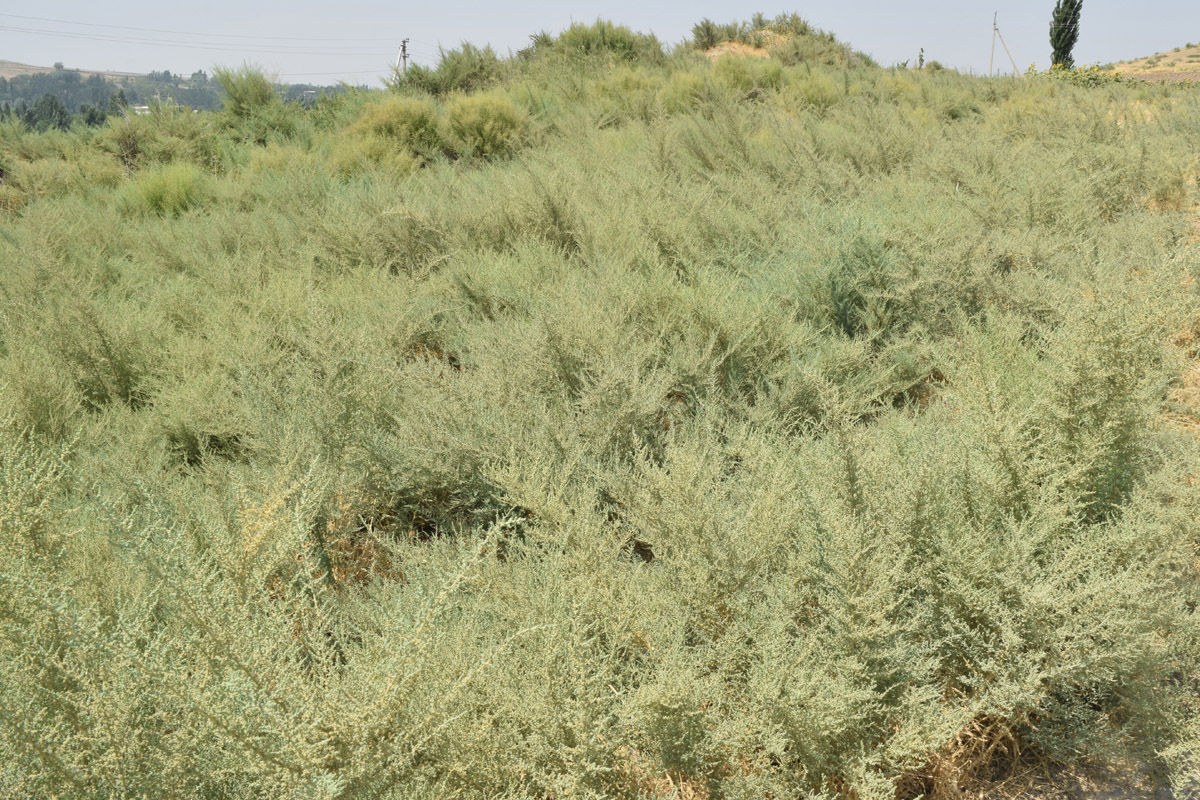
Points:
(356, 40)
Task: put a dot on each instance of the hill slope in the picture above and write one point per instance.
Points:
(603, 422)
(1182, 63)
(11, 69)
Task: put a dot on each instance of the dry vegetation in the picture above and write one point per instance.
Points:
(1179, 64)
(606, 422)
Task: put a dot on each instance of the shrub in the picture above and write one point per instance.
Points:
(412, 123)
(817, 49)
(168, 190)
(247, 89)
(276, 158)
(603, 37)
(45, 177)
(1085, 75)
(812, 447)
(464, 69)
(355, 155)
(705, 34)
(11, 199)
(749, 75)
(812, 88)
(485, 125)
(99, 169)
(684, 91)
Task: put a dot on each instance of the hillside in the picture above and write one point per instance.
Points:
(1182, 63)
(11, 69)
(611, 420)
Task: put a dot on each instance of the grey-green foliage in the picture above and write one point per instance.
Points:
(757, 429)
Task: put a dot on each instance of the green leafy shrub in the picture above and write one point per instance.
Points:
(1085, 75)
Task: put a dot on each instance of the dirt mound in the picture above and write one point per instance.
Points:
(766, 40)
(737, 48)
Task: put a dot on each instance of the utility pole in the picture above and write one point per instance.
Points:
(996, 33)
(995, 30)
(402, 58)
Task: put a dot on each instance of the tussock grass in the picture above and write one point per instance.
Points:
(601, 422)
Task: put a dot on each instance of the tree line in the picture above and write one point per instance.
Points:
(47, 100)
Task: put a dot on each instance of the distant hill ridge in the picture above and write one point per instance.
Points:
(11, 69)
(1181, 63)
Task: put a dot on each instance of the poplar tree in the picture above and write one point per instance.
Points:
(1064, 31)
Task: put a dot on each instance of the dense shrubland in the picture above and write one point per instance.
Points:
(603, 422)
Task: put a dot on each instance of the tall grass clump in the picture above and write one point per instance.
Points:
(167, 191)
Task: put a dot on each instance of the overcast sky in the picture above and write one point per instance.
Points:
(356, 40)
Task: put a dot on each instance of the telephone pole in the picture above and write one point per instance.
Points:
(996, 33)
(402, 58)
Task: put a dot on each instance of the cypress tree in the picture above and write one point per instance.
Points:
(1064, 31)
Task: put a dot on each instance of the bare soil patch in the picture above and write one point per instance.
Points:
(769, 39)
(737, 48)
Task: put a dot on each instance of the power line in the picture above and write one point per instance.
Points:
(338, 72)
(193, 33)
(279, 50)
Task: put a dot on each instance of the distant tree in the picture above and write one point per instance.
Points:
(92, 115)
(95, 91)
(58, 65)
(1064, 31)
(48, 112)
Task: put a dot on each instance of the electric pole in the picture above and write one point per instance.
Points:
(996, 33)
(402, 58)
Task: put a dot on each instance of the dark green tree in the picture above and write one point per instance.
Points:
(92, 115)
(48, 112)
(1064, 31)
